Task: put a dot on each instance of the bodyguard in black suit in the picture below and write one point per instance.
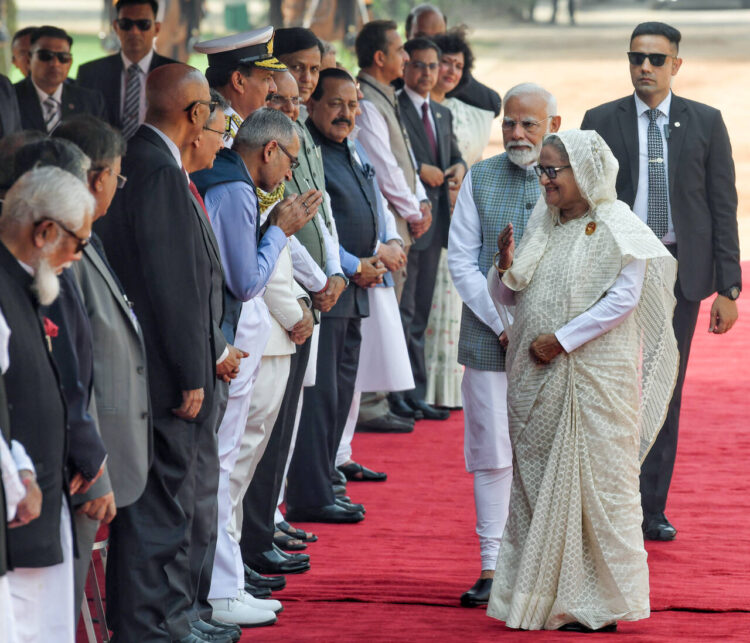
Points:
(10, 117)
(697, 220)
(156, 245)
(430, 130)
(124, 90)
(325, 406)
(44, 98)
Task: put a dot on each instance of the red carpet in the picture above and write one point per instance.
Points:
(398, 575)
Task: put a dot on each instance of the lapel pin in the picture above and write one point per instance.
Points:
(590, 228)
(677, 124)
(71, 106)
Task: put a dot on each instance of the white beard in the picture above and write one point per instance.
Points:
(46, 284)
(523, 154)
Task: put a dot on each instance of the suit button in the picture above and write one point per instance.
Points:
(140, 370)
(529, 206)
(144, 415)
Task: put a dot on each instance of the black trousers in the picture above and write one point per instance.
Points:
(259, 503)
(147, 570)
(657, 468)
(325, 408)
(415, 306)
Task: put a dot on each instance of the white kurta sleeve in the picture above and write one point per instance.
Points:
(306, 271)
(607, 313)
(499, 292)
(9, 467)
(464, 245)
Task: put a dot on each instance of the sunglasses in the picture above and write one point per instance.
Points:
(212, 105)
(550, 171)
(82, 242)
(126, 24)
(46, 55)
(293, 162)
(657, 60)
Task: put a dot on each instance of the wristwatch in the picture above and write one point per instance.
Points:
(731, 293)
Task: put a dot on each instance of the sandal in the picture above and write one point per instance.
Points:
(299, 534)
(355, 472)
(287, 542)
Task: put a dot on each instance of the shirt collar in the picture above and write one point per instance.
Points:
(144, 63)
(26, 267)
(57, 94)
(416, 99)
(641, 107)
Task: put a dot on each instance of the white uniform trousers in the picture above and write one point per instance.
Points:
(488, 455)
(344, 453)
(253, 330)
(42, 597)
(264, 409)
(7, 621)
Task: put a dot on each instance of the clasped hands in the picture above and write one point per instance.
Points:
(294, 212)
(327, 298)
(371, 274)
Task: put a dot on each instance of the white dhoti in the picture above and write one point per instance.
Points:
(488, 455)
(42, 597)
(253, 330)
(383, 359)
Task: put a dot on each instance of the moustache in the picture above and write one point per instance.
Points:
(344, 121)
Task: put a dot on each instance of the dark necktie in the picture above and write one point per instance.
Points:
(657, 178)
(199, 199)
(132, 106)
(428, 129)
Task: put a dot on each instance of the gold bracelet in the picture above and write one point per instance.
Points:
(500, 271)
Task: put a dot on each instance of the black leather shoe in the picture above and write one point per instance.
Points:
(274, 583)
(428, 411)
(272, 562)
(356, 472)
(194, 638)
(208, 632)
(338, 477)
(339, 490)
(659, 529)
(580, 627)
(350, 506)
(387, 423)
(257, 592)
(401, 408)
(327, 513)
(479, 594)
(302, 558)
(231, 628)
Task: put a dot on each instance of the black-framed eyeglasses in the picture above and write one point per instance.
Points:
(528, 125)
(278, 99)
(293, 162)
(418, 64)
(82, 241)
(126, 24)
(657, 60)
(211, 104)
(46, 55)
(121, 180)
(222, 133)
(549, 170)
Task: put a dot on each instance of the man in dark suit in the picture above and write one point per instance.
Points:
(121, 77)
(21, 48)
(46, 221)
(332, 108)
(677, 173)
(10, 117)
(158, 247)
(439, 163)
(44, 97)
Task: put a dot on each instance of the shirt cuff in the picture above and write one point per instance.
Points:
(21, 458)
(224, 355)
(349, 263)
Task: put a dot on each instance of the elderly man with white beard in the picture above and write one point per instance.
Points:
(495, 192)
(46, 223)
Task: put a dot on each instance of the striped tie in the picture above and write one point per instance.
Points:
(132, 106)
(51, 113)
(658, 194)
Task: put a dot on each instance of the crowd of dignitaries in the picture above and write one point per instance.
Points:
(212, 281)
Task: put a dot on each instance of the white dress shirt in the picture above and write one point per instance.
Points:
(418, 101)
(374, 136)
(145, 65)
(640, 205)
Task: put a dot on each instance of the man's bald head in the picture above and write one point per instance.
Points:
(178, 100)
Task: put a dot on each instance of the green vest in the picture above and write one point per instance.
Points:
(309, 175)
(503, 193)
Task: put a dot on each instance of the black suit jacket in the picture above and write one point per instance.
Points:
(105, 76)
(75, 100)
(479, 95)
(702, 193)
(37, 414)
(10, 117)
(448, 154)
(157, 248)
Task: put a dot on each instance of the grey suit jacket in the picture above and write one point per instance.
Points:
(702, 192)
(120, 381)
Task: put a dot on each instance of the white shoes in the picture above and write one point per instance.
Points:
(234, 610)
(260, 603)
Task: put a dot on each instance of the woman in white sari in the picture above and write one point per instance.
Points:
(592, 363)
